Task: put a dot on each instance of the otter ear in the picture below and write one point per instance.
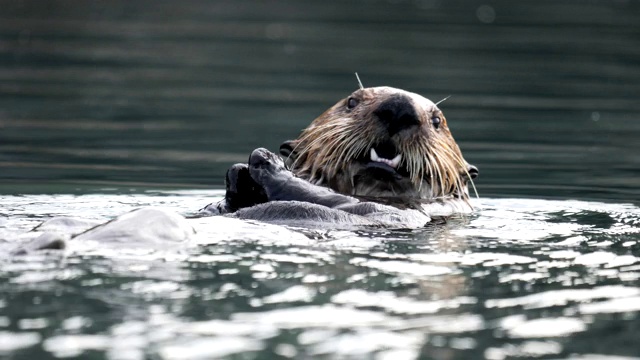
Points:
(287, 148)
(473, 171)
(287, 153)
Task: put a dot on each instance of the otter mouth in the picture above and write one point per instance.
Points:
(384, 161)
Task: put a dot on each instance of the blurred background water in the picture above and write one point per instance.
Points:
(544, 94)
(107, 106)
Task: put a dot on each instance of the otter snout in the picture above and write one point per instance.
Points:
(397, 113)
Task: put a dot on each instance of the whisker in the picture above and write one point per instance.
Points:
(359, 82)
(443, 100)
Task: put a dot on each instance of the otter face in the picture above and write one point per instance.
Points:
(381, 142)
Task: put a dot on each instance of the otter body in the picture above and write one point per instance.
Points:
(382, 156)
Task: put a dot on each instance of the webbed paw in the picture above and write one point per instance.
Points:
(242, 190)
(268, 170)
(263, 160)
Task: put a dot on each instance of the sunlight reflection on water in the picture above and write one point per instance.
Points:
(465, 286)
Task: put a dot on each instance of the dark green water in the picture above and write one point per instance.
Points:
(113, 105)
(162, 93)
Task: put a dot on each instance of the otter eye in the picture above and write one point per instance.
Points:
(351, 103)
(436, 121)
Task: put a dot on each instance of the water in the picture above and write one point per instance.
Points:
(110, 106)
(521, 278)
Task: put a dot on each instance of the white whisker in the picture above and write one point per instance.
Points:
(443, 100)
(359, 82)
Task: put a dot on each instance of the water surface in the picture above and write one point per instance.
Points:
(520, 278)
(110, 106)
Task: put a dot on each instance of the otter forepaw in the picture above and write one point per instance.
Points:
(264, 160)
(268, 170)
(242, 190)
(266, 167)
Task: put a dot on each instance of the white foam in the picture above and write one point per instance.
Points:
(562, 297)
(293, 294)
(550, 327)
(329, 316)
(75, 345)
(10, 341)
(403, 267)
(398, 305)
(209, 348)
(612, 306)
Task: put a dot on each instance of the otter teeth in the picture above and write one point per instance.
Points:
(393, 162)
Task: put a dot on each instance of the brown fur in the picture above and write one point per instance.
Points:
(330, 151)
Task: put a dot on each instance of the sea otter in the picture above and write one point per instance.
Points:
(381, 156)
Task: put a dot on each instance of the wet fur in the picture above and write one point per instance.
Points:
(328, 152)
(329, 176)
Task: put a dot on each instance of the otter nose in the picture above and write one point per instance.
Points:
(397, 114)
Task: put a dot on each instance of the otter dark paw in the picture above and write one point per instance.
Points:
(267, 168)
(251, 184)
(262, 159)
(280, 184)
(242, 190)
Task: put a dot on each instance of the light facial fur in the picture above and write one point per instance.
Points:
(382, 142)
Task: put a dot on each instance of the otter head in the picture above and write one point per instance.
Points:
(381, 142)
